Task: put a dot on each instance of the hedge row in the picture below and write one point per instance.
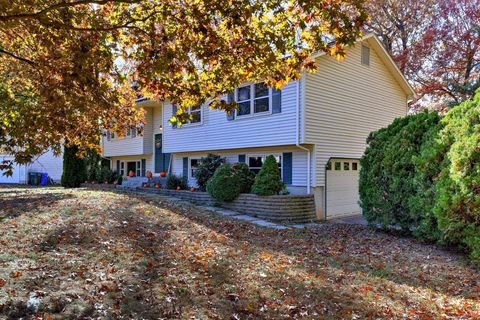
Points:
(422, 173)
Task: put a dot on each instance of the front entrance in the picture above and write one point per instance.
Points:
(162, 160)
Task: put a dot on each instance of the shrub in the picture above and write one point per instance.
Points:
(389, 193)
(74, 172)
(119, 180)
(206, 168)
(104, 175)
(174, 181)
(246, 178)
(457, 205)
(224, 185)
(268, 181)
(229, 181)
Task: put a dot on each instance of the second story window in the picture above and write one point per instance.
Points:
(196, 113)
(255, 99)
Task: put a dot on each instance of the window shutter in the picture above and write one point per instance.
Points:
(185, 167)
(108, 135)
(144, 164)
(118, 166)
(241, 158)
(174, 112)
(287, 167)
(276, 101)
(231, 98)
(134, 133)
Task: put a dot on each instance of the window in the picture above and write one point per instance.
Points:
(122, 168)
(261, 99)
(255, 99)
(193, 166)
(243, 101)
(131, 132)
(346, 166)
(196, 114)
(338, 166)
(138, 169)
(354, 166)
(255, 163)
(365, 55)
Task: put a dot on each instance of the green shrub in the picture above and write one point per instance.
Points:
(74, 171)
(457, 205)
(119, 179)
(224, 185)
(245, 177)
(268, 181)
(206, 168)
(389, 193)
(229, 181)
(174, 181)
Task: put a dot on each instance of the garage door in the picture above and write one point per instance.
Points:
(15, 178)
(342, 188)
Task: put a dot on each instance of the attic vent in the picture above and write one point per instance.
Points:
(365, 55)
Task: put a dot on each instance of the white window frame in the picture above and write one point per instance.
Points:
(252, 101)
(138, 168)
(122, 168)
(265, 155)
(190, 172)
(193, 124)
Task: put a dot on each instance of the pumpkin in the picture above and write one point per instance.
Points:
(157, 186)
(145, 186)
(192, 189)
(163, 174)
(178, 188)
(149, 174)
(131, 173)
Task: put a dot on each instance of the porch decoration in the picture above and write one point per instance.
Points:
(131, 173)
(163, 174)
(179, 188)
(192, 189)
(157, 186)
(149, 174)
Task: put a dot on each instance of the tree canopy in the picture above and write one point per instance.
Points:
(67, 67)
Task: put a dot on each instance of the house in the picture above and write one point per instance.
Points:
(316, 128)
(45, 163)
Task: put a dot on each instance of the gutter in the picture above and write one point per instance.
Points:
(297, 136)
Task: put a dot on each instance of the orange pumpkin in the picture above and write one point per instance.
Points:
(145, 186)
(163, 174)
(149, 174)
(157, 186)
(178, 188)
(131, 173)
(192, 189)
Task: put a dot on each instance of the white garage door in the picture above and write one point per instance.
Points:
(342, 188)
(15, 178)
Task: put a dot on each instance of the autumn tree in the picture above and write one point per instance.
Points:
(67, 68)
(435, 43)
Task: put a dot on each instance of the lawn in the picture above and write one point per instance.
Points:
(98, 254)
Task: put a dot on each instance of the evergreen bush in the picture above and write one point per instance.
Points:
(224, 185)
(389, 192)
(268, 181)
(206, 169)
(74, 169)
(246, 178)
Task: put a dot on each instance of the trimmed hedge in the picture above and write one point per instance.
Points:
(388, 188)
(229, 181)
(206, 169)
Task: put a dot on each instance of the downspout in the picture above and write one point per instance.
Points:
(297, 136)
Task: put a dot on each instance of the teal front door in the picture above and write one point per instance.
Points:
(162, 160)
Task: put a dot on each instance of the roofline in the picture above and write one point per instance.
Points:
(385, 56)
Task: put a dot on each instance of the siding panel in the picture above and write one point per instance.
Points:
(344, 102)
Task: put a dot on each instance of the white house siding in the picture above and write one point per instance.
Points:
(299, 162)
(48, 163)
(217, 133)
(344, 102)
(157, 120)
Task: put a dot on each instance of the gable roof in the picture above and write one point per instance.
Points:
(383, 54)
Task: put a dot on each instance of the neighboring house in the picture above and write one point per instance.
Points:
(47, 162)
(316, 128)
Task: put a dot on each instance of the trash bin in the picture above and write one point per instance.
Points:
(44, 179)
(34, 178)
